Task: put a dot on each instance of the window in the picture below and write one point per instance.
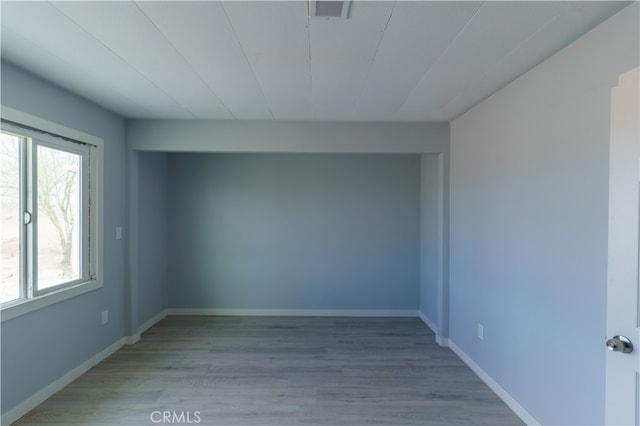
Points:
(48, 214)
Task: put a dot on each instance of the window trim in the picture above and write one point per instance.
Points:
(84, 151)
(20, 307)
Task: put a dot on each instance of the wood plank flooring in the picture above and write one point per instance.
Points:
(279, 371)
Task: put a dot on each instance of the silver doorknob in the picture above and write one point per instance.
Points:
(620, 344)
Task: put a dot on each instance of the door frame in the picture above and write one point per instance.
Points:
(622, 378)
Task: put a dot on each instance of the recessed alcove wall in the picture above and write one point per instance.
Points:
(294, 216)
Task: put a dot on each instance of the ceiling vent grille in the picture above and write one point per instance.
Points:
(329, 9)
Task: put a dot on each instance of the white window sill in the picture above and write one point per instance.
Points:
(24, 306)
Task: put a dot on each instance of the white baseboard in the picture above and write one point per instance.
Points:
(442, 341)
(295, 312)
(520, 411)
(428, 322)
(43, 394)
(132, 340)
(152, 321)
(48, 391)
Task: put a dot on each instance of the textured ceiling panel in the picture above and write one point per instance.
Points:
(418, 33)
(38, 37)
(275, 39)
(478, 47)
(268, 60)
(212, 49)
(127, 32)
(341, 63)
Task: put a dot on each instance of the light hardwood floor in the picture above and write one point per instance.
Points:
(279, 371)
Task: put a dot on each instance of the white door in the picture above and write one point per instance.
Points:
(623, 369)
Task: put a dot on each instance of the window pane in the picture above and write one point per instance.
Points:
(58, 244)
(10, 218)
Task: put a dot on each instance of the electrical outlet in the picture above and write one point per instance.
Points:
(118, 232)
(105, 317)
(480, 331)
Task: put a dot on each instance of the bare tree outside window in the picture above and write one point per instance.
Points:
(49, 233)
(58, 199)
(9, 218)
(57, 222)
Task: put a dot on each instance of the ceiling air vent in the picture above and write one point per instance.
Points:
(329, 9)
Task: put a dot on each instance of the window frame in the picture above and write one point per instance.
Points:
(44, 133)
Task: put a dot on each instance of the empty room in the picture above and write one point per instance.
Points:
(320, 212)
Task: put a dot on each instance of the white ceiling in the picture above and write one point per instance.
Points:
(267, 60)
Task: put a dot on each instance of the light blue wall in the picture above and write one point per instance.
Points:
(152, 228)
(294, 231)
(529, 200)
(430, 236)
(40, 347)
(287, 136)
(434, 242)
